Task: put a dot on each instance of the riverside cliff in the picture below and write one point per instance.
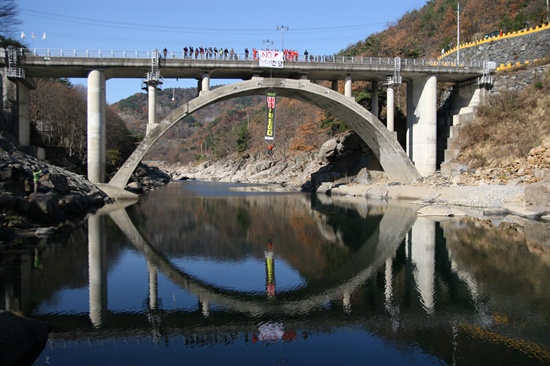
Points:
(62, 198)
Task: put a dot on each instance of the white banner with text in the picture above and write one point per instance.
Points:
(271, 58)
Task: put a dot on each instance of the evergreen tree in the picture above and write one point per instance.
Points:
(243, 139)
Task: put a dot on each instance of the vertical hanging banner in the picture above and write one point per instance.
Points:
(270, 115)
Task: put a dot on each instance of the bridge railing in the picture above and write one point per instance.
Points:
(49, 52)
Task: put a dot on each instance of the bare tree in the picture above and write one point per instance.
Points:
(8, 17)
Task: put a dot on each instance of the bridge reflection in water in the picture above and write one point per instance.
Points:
(388, 272)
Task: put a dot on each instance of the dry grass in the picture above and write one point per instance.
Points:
(507, 126)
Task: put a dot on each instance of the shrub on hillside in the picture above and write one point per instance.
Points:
(507, 126)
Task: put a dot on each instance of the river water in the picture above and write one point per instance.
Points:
(217, 274)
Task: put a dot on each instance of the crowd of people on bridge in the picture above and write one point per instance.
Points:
(223, 53)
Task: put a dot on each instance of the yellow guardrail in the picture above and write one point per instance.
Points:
(520, 33)
(508, 66)
(536, 351)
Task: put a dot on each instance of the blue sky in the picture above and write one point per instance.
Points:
(322, 27)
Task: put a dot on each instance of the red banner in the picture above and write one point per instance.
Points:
(270, 97)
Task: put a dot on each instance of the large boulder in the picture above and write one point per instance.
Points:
(21, 339)
(43, 208)
(538, 194)
(56, 182)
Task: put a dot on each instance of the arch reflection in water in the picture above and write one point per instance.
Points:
(365, 267)
(380, 246)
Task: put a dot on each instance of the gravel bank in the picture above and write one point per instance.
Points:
(485, 200)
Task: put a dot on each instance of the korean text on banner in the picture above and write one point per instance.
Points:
(271, 58)
(270, 115)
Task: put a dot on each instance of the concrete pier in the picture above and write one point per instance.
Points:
(151, 106)
(422, 123)
(96, 127)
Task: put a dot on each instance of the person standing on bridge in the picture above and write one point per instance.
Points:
(165, 52)
(246, 54)
(305, 55)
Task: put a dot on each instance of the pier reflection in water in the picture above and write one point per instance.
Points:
(196, 273)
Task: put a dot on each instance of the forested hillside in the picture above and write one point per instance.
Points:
(426, 31)
(236, 126)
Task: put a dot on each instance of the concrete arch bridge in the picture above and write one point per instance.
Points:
(383, 143)
(294, 80)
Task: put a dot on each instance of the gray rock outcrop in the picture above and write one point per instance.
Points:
(338, 161)
(59, 196)
(538, 194)
(504, 50)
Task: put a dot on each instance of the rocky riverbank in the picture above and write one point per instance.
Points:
(61, 198)
(343, 167)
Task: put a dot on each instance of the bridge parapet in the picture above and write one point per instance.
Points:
(84, 53)
(44, 62)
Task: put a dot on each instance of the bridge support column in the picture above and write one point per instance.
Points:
(205, 307)
(153, 286)
(334, 85)
(347, 302)
(465, 98)
(374, 99)
(17, 293)
(151, 107)
(96, 126)
(8, 92)
(389, 305)
(347, 86)
(390, 122)
(422, 124)
(423, 256)
(205, 82)
(24, 115)
(97, 269)
(388, 283)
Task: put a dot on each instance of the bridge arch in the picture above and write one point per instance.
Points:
(382, 142)
(380, 246)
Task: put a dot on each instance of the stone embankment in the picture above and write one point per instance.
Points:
(510, 48)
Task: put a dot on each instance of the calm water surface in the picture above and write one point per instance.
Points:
(196, 273)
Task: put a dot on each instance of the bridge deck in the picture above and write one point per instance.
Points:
(122, 64)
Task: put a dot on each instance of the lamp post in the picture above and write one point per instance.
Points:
(282, 28)
(458, 33)
(267, 41)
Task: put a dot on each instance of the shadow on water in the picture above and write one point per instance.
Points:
(269, 267)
